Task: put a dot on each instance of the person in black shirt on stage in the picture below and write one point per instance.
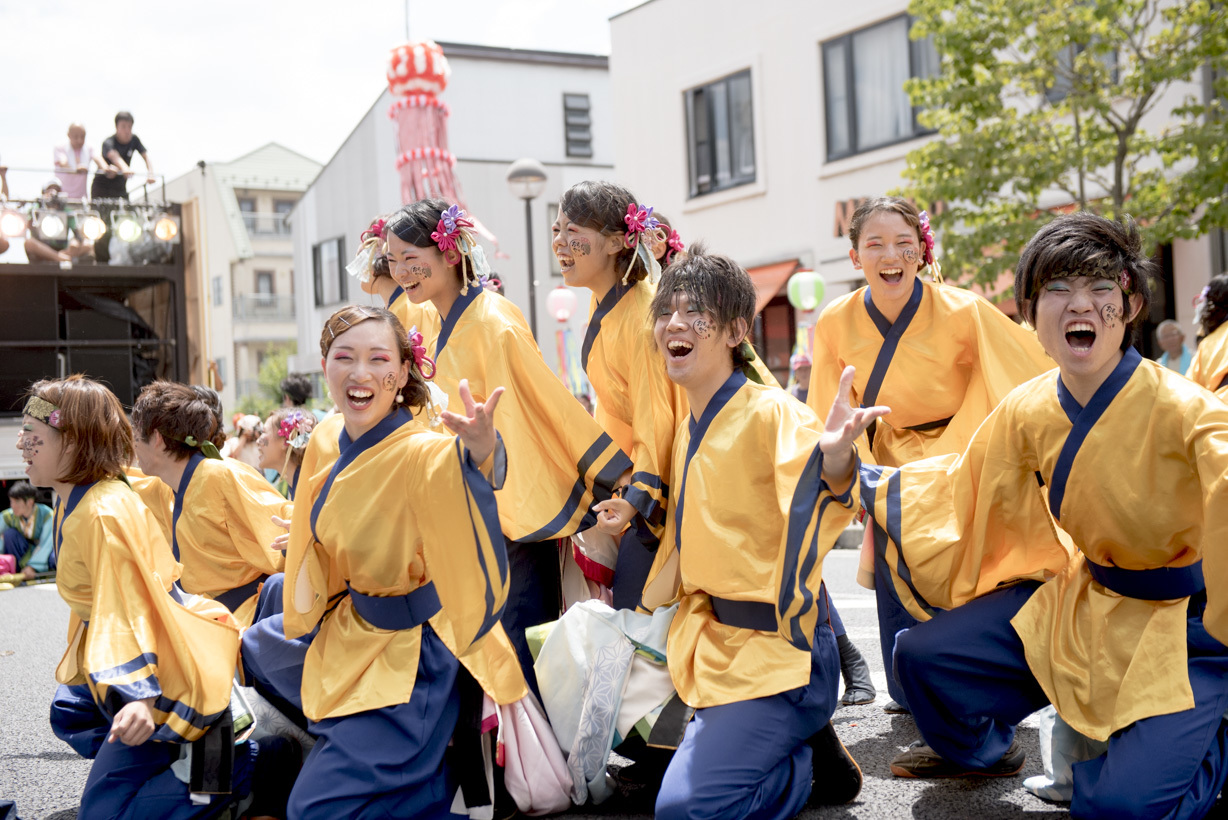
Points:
(118, 150)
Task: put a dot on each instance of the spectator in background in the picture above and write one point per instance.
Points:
(242, 445)
(43, 248)
(1176, 355)
(801, 376)
(296, 390)
(26, 531)
(117, 150)
(72, 162)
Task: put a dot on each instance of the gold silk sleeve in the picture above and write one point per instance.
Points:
(657, 407)
(1207, 435)
(1209, 366)
(251, 502)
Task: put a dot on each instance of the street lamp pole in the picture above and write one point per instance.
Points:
(527, 178)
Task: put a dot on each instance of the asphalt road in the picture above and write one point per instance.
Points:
(45, 777)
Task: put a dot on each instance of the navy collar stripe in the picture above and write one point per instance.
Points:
(454, 314)
(350, 450)
(698, 429)
(74, 498)
(606, 304)
(396, 294)
(194, 461)
(892, 333)
(1083, 420)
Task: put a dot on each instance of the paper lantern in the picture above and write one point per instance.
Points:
(561, 303)
(806, 290)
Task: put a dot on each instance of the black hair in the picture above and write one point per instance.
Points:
(885, 204)
(297, 388)
(22, 491)
(1084, 244)
(713, 284)
(213, 400)
(601, 206)
(124, 116)
(1215, 308)
(414, 223)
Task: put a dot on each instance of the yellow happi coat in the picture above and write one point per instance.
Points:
(401, 508)
(559, 460)
(224, 530)
(157, 496)
(128, 636)
(637, 404)
(753, 520)
(491, 660)
(1142, 486)
(1210, 364)
(424, 317)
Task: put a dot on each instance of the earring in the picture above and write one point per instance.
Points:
(400, 399)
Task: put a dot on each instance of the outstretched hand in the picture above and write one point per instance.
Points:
(477, 427)
(844, 424)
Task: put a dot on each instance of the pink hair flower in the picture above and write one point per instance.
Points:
(675, 245)
(927, 234)
(444, 238)
(639, 220)
(54, 418)
(422, 361)
(1124, 280)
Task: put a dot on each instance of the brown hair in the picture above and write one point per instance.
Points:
(178, 411)
(885, 204)
(1215, 308)
(93, 425)
(414, 393)
(379, 265)
(601, 207)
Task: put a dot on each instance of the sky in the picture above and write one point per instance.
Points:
(214, 80)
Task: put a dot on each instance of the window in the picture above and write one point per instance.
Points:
(216, 283)
(264, 287)
(863, 83)
(1063, 79)
(282, 208)
(720, 134)
(327, 273)
(577, 125)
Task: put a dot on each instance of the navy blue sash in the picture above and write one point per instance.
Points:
(232, 599)
(1159, 584)
(745, 614)
(194, 461)
(698, 429)
(606, 304)
(406, 611)
(454, 314)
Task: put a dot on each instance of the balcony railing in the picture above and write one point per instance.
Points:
(265, 224)
(268, 307)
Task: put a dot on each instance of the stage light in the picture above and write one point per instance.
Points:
(166, 228)
(52, 225)
(12, 223)
(126, 226)
(92, 226)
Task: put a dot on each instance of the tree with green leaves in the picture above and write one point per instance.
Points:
(1046, 105)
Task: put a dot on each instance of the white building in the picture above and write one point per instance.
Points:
(505, 104)
(759, 149)
(247, 265)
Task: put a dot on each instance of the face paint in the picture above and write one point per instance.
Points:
(702, 329)
(390, 381)
(581, 247)
(1110, 314)
(30, 445)
(420, 271)
(911, 256)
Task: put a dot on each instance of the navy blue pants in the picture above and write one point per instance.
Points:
(631, 570)
(769, 775)
(893, 618)
(77, 720)
(136, 782)
(14, 543)
(533, 597)
(272, 664)
(386, 762)
(968, 684)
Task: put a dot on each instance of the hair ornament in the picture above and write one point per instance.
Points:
(296, 429)
(1201, 304)
(675, 244)
(42, 410)
(424, 364)
(927, 236)
(208, 448)
(362, 266)
(639, 221)
(748, 369)
(454, 237)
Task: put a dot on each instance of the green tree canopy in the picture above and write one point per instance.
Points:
(1045, 103)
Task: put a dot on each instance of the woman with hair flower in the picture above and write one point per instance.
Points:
(1210, 365)
(370, 268)
(941, 358)
(560, 461)
(282, 444)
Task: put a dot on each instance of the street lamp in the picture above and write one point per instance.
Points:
(526, 178)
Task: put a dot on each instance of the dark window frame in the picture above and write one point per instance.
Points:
(846, 41)
(701, 150)
(578, 125)
(317, 275)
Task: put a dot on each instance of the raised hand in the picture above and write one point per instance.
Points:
(613, 515)
(844, 424)
(477, 427)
